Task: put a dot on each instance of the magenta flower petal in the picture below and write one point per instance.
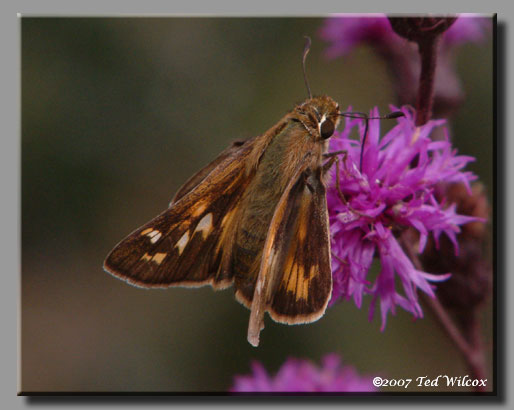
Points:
(297, 375)
(390, 191)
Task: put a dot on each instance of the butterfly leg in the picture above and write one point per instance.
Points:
(334, 158)
(335, 153)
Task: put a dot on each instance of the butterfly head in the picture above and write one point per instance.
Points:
(319, 115)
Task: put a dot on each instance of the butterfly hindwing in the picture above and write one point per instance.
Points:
(302, 283)
(294, 283)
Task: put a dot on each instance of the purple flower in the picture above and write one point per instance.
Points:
(346, 31)
(469, 27)
(392, 190)
(297, 375)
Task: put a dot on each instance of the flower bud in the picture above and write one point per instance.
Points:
(420, 28)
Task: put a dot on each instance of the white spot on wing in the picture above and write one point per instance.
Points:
(156, 237)
(153, 234)
(182, 242)
(204, 225)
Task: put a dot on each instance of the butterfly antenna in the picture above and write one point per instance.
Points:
(365, 117)
(306, 50)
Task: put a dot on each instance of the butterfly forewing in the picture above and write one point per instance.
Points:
(231, 152)
(182, 246)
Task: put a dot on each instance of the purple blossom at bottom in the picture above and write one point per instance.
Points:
(392, 190)
(298, 375)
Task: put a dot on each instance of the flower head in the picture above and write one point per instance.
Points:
(345, 32)
(386, 187)
(297, 375)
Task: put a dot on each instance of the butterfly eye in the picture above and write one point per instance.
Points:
(326, 129)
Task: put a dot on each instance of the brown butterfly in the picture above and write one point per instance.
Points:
(255, 217)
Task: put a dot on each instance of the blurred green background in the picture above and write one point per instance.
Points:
(116, 114)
